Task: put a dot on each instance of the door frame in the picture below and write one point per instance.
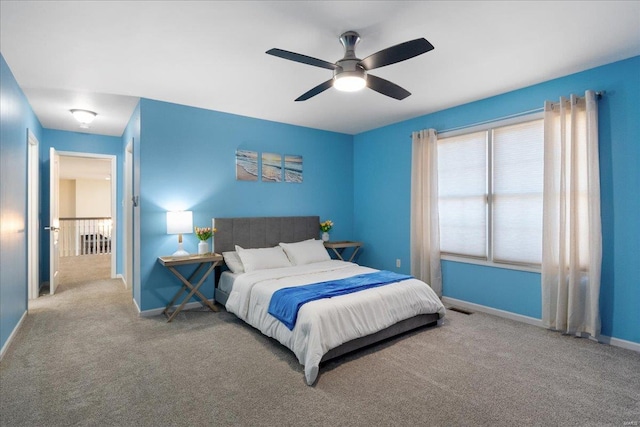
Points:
(127, 222)
(33, 215)
(54, 219)
(114, 194)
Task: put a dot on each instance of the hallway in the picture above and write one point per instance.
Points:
(76, 270)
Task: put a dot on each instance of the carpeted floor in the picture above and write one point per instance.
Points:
(85, 357)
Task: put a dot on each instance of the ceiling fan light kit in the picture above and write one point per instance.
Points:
(350, 81)
(350, 72)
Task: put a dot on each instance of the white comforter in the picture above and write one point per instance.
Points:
(327, 323)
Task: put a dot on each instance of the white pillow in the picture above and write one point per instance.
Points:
(262, 258)
(233, 261)
(306, 252)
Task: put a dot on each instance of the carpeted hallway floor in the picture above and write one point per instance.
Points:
(84, 357)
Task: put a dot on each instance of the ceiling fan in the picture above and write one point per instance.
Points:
(351, 73)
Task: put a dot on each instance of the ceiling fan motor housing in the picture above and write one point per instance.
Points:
(349, 66)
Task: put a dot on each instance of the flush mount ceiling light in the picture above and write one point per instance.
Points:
(84, 117)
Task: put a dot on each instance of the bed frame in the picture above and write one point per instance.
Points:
(265, 232)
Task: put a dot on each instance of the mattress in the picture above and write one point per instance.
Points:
(225, 284)
(327, 323)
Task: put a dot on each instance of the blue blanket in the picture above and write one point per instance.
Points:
(286, 302)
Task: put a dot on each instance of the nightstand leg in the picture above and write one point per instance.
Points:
(353, 255)
(186, 284)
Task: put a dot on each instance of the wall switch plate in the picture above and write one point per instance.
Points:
(398, 263)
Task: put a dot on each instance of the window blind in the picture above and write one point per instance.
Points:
(518, 155)
(462, 187)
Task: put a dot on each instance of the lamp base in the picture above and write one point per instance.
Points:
(180, 251)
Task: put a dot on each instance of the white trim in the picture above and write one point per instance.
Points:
(33, 215)
(617, 342)
(114, 191)
(114, 214)
(136, 304)
(603, 339)
(121, 277)
(157, 311)
(486, 263)
(7, 343)
(491, 310)
(127, 220)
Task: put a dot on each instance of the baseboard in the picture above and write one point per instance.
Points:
(124, 282)
(158, 311)
(616, 342)
(6, 345)
(491, 310)
(136, 304)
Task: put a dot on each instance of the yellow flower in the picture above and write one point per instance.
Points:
(326, 225)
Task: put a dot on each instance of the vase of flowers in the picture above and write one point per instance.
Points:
(325, 226)
(204, 234)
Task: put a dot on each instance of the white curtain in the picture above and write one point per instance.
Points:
(571, 225)
(425, 229)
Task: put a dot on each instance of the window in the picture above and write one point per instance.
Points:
(490, 192)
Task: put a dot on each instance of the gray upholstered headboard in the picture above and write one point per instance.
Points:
(263, 232)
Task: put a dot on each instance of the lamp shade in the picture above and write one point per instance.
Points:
(180, 222)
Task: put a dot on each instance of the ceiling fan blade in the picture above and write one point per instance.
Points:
(385, 87)
(397, 53)
(292, 56)
(316, 90)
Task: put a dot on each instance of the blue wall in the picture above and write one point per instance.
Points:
(187, 162)
(78, 143)
(16, 116)
(382, 199)
(184, 159)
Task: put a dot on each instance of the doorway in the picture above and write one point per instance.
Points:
(86, 202)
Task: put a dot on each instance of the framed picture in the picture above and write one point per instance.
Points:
(271, 167)
(246, 165)
(293, 168)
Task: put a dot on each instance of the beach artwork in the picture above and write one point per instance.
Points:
(271, 167)
(293, 168)
(246, 165)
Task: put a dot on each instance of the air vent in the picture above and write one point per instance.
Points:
(460, 310)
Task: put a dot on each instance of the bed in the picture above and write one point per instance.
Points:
(325, 328)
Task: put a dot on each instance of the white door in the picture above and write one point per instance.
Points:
(54, 219)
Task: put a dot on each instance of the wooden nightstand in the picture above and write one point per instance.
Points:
(339, 247)
(171, 262)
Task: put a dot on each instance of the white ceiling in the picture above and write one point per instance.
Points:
(72, 167)
(104, 55)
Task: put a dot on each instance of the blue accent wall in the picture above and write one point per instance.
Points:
(16, 116)
(77, 142)
(187, 162)
(382, 182)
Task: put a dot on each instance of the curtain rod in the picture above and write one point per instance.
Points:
(523, 113)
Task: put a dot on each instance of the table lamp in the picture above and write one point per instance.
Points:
(178, 223)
